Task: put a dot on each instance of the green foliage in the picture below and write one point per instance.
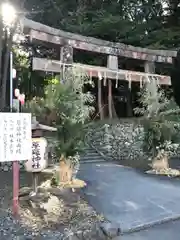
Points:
(31, 83)
(160, 119)
(55, 180)
(67, 107)
(135, 22)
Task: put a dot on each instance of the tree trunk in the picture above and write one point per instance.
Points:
(174, 13)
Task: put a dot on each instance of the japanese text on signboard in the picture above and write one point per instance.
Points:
(36, 155)
(15, 136)
(39, 155)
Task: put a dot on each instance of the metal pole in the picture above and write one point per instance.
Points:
(15, 163)
(11, 81)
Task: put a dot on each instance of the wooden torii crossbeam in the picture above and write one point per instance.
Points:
(48, 34)
(48, 65)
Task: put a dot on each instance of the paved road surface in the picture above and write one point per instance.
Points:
(132, 199)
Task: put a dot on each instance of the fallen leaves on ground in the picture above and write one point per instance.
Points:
(57, 208)
(166, 172)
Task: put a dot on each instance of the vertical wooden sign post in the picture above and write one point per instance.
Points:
(21, 98)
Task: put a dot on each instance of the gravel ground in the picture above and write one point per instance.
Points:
(11, 229)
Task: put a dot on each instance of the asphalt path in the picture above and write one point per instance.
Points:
(133, 200)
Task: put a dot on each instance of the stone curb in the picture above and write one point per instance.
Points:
(150, 225)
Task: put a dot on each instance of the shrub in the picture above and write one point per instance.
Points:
(160, 120)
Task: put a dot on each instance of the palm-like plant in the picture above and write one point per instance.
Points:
(68, 108)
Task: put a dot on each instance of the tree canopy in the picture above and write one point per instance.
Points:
(154, 23)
